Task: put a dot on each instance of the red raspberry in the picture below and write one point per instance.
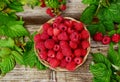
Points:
(49, 43)
(78, 26)
(83, 52)
(56, 31)
(70, 30)
(43, 55)
(77, 52)
(62, 7)
(51, 53)
(55, 24)
(73, 45)
(106, 40)
(56, 47)
(85, 44)
(40, 45)
(78, 60)
(98, 36)
(68, 59)
(68, 23)
(62, 27)
(74, 37)
(37, 38)
(64, 44)
(71, 66)
(115, 38)
(54, 63)
(44, 36)
(63, 36)
(63, 63)
(84, 34)
(59, 19)
(50, 31)
(43, 4)
(59, 55)
(46, 26)
(66, 51)
(55, 38)
(48, 10)
(49, 59)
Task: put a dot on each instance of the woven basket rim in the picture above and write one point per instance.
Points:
(58, 68)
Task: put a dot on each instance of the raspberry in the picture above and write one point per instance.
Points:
(106, 40)
(51, 53)
(68, 59)
(70, 30)
(48, 10)
(49, 59)
(63, 36)
(40, 46)
(62, 7)
(66, 51)
(115, 38)
(71, 66)
(68, 23)
(44, 36)
(77, 52)
(43, 4)
(84, 34)
(98, 36)
(46, 26)
(55, 25)
(78, 26)
(56, 31)
(56, 47)
(54, 63)
(64, 44)
(83, 52)
(74, 37)
(43, 55)
(78, 60)
(62, 27)
(55, 38)
(59, 19)
(37, 38)
(73, 45)
(59, 55)
(85, 44)
(49, 43)
(50, 31)
(63, 63)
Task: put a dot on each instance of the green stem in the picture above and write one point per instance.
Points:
(98, 8)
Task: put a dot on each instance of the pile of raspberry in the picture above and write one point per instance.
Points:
(63, 43)
(105, 39)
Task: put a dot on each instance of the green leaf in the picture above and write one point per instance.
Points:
(52, 3)
(100, 58)
(40, 66)
(109, 25)
(111, 32)
(90, 1)
(4, 52)
(88, 13)
(18, 57)
(100, 72)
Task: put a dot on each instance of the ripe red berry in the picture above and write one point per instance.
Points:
(73, 45)
(43, 55)
(54, 63)
(83, 52)
(51, 53)
(85, 44)
(68, 23)
(48, 10)
(50, 31)
(68, 59)
(49, 43)
(37, 38)
(98, 36)
(56, 31)
(78, 60)
(63, 36)
(78, 26)
(55, 38)
(62, 7)
(62, 27)
(43, 4)
(55, 24)
(106, 40)
(115, 38)
(70, 30)
(40, 45)
(71, 66)
(59, 19)
(56, 47)
(63, 63)
(59, 55)
(84, 34)
(66, 51)
(44, 36)
(64, 44)
(46, 26)
(77, 52)
(74, 37)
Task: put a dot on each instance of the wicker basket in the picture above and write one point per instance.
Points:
(58, 68)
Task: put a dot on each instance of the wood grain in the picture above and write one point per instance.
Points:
(33, 19)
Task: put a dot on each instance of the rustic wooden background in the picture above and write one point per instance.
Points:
(33, 19)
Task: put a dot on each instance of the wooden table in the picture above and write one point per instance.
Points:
(33, 19)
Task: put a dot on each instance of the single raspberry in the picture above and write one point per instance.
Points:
(115, 38)
(44, 36)
(63, 36)
(40, 45)
(59, 55)
(98, 36)
(71, 66)
(46, 26)
(62, 27)
(59, 19)
(37, 38)
(70, 30)
(56, 31)
(68, 23)
(49, 43)
(74, 37)
(68, 58)
(55, 38)
(78, 26)
(50, 31)
(43, 55)
(62, 7)
(106, 40)
(49, 59)
(83, 52)
(67, 51)
(55, 24)
(51, 53)
(78, 60)
(77, 52)
(48, 10)
(84, 34)
(64, 44)
(85, 44)
(43, 4)
(63, 63)
(73, 45)
(54, 63)
(56, 47)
